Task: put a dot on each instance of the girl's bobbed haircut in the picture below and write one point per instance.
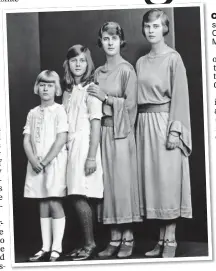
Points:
(88, 76)
(111, 28)
(48, 76)
(154, 14)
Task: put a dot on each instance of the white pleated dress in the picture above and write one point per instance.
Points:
(81, 108)
(43, 124)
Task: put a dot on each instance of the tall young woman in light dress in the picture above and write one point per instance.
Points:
(84, 169)
(45, 135)
(117, 89)
(163, 133)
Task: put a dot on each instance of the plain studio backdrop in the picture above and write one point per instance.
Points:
(38, 41)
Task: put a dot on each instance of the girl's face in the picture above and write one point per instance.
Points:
(78, 65)
(47, 90)
(154, 31)
(111, 44)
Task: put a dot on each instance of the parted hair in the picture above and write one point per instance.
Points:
(88, 76)
(112, 28)
(154, 14)
(49, 77)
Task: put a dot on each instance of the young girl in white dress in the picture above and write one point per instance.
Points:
(84, 170)
(45, 135)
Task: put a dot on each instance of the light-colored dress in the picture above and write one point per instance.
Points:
(164, 176)
(81, 108)
(121, 197)
(43, 125)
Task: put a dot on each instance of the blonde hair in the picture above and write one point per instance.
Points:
(154, 14)
(87, 77)
(48, 76)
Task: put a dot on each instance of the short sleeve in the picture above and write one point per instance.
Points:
(27, 126)
(62, 123)
(94, 106)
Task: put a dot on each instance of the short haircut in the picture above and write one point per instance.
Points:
(49, 77)
(112, 28)
(88, 76)
(154, 14)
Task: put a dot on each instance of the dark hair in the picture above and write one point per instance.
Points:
(112, 28)
(154, 14)
(88, 76)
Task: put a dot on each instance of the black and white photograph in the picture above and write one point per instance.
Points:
(107, 111)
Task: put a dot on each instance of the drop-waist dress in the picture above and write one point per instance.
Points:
(121, 196)
(163, 106)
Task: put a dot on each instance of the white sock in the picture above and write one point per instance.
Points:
(46, 232)
(58, 227)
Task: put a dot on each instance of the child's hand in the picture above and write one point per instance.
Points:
(90, 167)
(36, 166)
(173, 140)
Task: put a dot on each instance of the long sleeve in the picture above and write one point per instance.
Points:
(125, 108)
(179, 110)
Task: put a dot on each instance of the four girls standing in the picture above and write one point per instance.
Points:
(106, 102)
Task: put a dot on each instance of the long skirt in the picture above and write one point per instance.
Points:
(164, 179)
(121, 196)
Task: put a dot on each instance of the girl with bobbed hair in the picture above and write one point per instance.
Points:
(45, 135)
(163, 133)
(117, 88)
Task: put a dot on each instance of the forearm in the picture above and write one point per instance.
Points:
(94, 138)
(28, 149)
(55, 149)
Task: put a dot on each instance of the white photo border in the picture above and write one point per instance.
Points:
(206, 133)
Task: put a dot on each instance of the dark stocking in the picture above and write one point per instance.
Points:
(85, 215)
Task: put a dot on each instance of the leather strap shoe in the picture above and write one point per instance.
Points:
(41, 256)
(87, 253)
(110, 250)
(55, 258)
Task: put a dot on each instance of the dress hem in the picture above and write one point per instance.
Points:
(167, 214)
(121, 220)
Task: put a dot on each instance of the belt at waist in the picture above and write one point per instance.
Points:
(107, 121)
(153, 108)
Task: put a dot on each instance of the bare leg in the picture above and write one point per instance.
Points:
(170, 232)
(127, 244)
(170, 240)
(116, 235)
